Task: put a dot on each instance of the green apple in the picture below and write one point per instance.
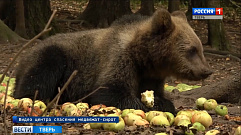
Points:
(152, 114)
(126, 111)
(70, 109)
(170, 117)
(40, 104)
(210, 104)
(15, 102)
(96, 125)
(187, 113)
(82, 106)
(114, 126)
(180, 117)
(130, 118)
(200, 102)
(141, 122)
(160, 120)
(160, 134)
(212, 132)
(198, 126)
(184, 122)
(221, 110)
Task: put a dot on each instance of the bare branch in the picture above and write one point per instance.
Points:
(32, 108)
(61, 91)
(4, 108)
(46, 29)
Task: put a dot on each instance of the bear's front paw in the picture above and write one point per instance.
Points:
(132, 103)
(162, 104)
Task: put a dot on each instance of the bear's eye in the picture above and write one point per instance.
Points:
(192, 51)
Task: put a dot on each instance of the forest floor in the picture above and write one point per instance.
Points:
(222, 65)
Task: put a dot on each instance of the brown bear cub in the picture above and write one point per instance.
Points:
(128, 58)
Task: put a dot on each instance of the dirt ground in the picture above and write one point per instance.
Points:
(223, 67)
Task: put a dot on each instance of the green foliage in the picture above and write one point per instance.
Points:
(181, 87)
(4, 85)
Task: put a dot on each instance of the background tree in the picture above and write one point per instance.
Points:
(173, 5)
(101, 13)
(36, 13)
(147, 7)
(194, 4)
(20, 20)
(7, 35)
(217, 37)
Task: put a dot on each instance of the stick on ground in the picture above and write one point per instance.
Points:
(61, 91)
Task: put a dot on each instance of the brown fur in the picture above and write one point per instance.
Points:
(128, 59)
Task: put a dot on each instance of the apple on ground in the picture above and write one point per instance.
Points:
(25, 103)
(184, 122)
(141, 122)
(212, 132)
(170, 117)
(210, 104)
(96, 125)
(200, 103)
(94, 107)
(70, 109)
(238, 131)
(114, 126)
(140, 113)
(54, 112)
(36, 111)
(152, 114)
(82, 106)
(2, 95)
(160, 134)
(10, 105)
(180, 117)
(126, 111)
(9, 99)
(130, 118)
(187, 113)
(40, 104)
(198, 126)
(202, 117)
(160, 120)
(221, 110)
(15, 102)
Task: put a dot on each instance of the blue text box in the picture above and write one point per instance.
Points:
(203, 11)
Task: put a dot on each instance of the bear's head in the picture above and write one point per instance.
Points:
(181, 49)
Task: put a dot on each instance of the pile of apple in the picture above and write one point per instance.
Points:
(211, 104)
(192, 119)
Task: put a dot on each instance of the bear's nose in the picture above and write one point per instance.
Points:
(206, 73)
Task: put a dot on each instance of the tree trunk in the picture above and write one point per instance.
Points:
(173, 5)
(101, 13)
(7, 35)
(20, 20)
(36, 13)
(147, 7)
(226, 91)
(217, 37)
(194, 4)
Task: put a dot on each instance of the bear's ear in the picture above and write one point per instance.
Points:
(162, 22)
(180, 14)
